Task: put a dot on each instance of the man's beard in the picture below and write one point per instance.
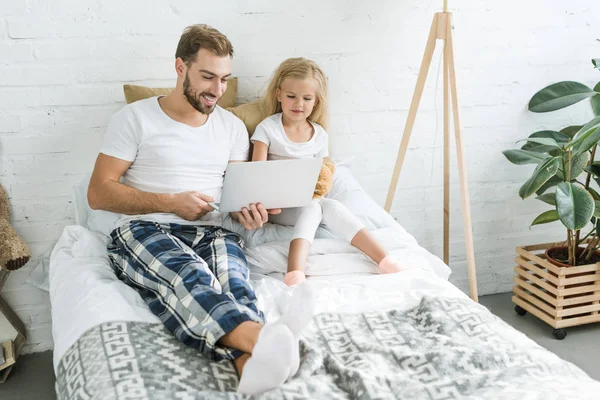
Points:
(194, 99)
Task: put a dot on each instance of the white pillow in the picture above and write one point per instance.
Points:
(95, 220)
(349, 192)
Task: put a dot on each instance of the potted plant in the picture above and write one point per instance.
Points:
(561, 286)
(566, 168)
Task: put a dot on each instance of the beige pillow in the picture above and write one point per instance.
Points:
(250, 114)
(134, 93)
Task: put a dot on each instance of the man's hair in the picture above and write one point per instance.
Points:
(201, 36)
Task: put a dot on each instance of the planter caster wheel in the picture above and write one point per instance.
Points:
(520, 310)
(559, 334)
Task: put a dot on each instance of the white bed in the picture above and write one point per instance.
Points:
(80, 269)
(85, 295)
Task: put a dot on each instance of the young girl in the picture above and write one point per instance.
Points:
(296, 99)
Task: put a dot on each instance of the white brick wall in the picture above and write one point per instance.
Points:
(62, 64)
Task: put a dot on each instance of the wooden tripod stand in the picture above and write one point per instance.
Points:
(441, 28)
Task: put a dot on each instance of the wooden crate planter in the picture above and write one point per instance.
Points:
(561, 297)
(18, 341)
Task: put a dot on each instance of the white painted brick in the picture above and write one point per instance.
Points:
(42, 27)
(14, 8)
(15, 52)
(135, 70)
(67, 120)
(43, 210)
(33, 317)
(19, 98)
(63, 8)
(125, 47)
(9, 122)
(77, 95)
(34, 75)
(38, 339)
(41, 231)
(6, 167)
(41, 191)
(36, 145)
(40, 164)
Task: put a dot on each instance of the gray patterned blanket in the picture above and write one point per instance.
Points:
(445, 348)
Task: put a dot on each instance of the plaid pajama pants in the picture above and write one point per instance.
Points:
(194, 278)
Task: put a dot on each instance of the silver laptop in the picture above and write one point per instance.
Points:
(274, 184)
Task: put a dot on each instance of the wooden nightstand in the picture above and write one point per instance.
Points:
(11, 328)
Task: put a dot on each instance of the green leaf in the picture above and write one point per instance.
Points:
(587, 141)
(594, 169)
(555, 180)
(544, 218)
(598, 228)
(548, 198)
(575, 205)
(522, 157)
(578, 163)
(586, 128)
(559, 137)
(596, 208)
(570, 131)
(559, 95)
(596, 104)
(548, 142)
(596, 62)
(541, 175)
(597, 180)
(594, 194)
(586, 137)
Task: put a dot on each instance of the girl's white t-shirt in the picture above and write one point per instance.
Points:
(170, 157)
(271, 132)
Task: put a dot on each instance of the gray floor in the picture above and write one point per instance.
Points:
(581, 346)
(33, 377)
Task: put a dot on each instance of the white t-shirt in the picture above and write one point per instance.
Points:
(172, 157)
(271, 132)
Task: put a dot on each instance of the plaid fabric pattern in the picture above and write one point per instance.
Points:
(194, 278)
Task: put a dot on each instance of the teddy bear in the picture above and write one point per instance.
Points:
(14, 252)
(325, 181)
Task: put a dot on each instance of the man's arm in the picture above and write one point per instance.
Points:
(105, 192)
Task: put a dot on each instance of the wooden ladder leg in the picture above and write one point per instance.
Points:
(412, 113)
(446, 155)
(462, 169)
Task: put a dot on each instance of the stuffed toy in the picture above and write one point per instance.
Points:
(325, 181)
(14, 252)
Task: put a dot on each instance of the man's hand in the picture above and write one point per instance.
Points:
(190, 205)
(254, 217)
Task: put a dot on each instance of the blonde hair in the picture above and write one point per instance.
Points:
(202, 36)
(298, 68)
